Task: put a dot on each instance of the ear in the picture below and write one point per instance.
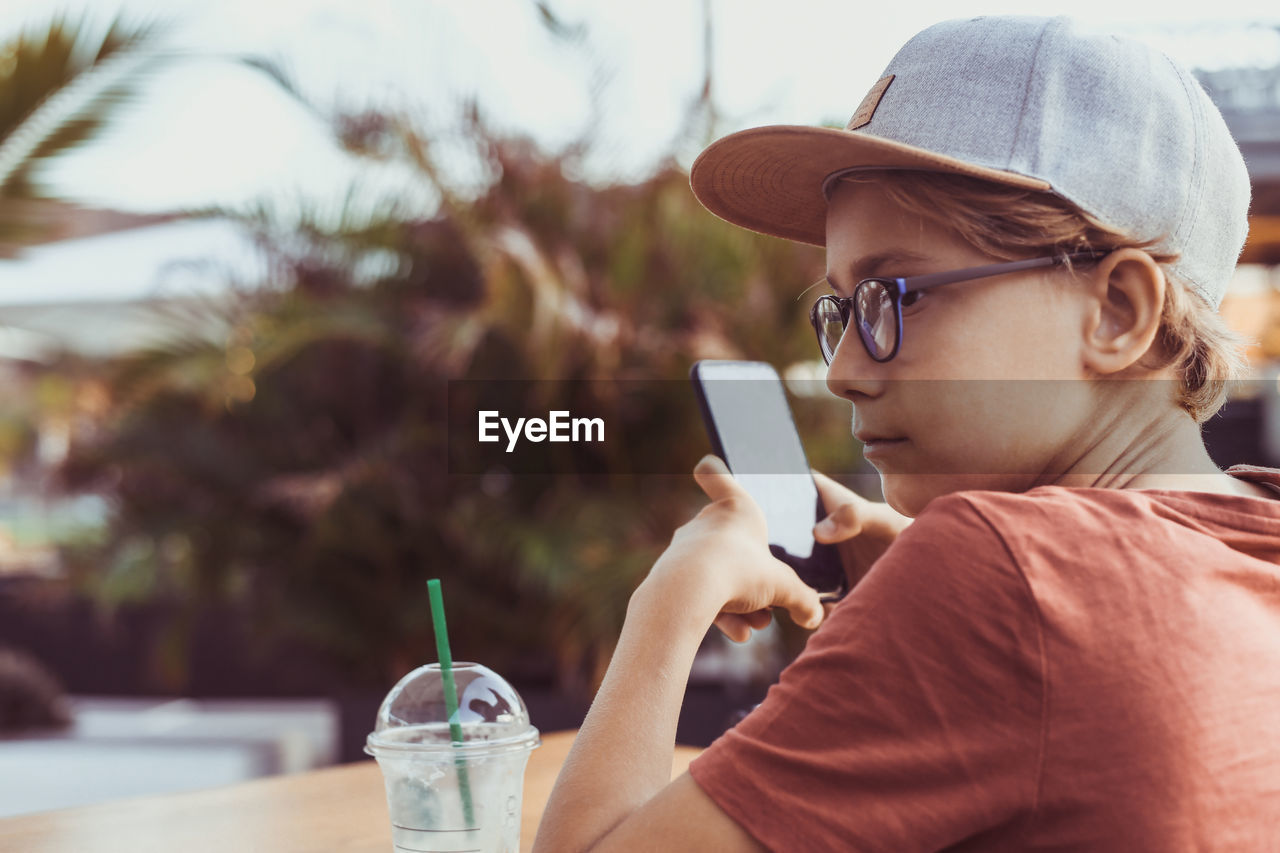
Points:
(1126, 300)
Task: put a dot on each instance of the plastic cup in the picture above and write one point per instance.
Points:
(446, 796)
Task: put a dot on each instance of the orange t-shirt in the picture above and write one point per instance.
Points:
(1063, 669)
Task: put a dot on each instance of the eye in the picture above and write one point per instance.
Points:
(911, 298)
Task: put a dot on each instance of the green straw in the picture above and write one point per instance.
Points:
(450, 692)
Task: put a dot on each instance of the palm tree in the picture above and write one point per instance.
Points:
(298, 466)
(59, 88)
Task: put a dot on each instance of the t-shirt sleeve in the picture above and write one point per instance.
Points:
(913, 718)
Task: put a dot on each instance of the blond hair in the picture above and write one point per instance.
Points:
(1010, 223)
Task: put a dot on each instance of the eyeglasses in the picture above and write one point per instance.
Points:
(876, 304)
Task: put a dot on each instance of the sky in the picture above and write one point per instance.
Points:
(210, 131)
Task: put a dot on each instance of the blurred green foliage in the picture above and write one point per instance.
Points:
(297, 465)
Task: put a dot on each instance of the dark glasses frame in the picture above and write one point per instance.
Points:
(899, 287)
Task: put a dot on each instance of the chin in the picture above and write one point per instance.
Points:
(909, 494)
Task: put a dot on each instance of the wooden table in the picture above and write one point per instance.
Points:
(336, 809)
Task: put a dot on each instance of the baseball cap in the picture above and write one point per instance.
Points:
(1108, 123)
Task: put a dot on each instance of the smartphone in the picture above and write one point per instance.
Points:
(744, 407)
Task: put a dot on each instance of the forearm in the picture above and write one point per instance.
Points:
(622, 755)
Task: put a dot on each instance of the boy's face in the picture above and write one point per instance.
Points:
(956, 394)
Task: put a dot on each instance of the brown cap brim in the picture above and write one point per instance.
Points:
(770, 179)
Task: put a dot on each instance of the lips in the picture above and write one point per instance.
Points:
(875, 438)
(876, 446)
(880, 449)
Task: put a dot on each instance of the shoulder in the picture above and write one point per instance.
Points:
(1079, 554)
(1043, 503)
(958, 528)
(950, 585)
(972, 563)
(899, 683)
(1002, 532)
(1058, 525)
(1044, 519)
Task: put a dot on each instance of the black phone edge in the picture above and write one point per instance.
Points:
(704, 408)
(717, 447)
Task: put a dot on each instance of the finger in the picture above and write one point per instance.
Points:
(759, 619)
(734, 626)
(713, 476)
(833, 493)
(840, 525)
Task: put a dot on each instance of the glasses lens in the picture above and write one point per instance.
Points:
(828, 322)
(873, 313)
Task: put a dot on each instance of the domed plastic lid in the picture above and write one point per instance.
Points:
(415, 717)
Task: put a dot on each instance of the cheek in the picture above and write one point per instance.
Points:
(997, 426)
(1047, 348)
(1003, 336)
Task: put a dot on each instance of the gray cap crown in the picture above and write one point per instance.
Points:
(1109, 123)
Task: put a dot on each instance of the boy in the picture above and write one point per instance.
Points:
(1076, 643)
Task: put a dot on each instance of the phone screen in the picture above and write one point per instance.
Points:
(751, 428)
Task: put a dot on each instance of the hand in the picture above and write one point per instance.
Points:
(861, 530)
(720, 560)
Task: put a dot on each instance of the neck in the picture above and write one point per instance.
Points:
(1164, 451)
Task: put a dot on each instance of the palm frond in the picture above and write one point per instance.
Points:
(556, 24)
(276, 72)
(59, 88)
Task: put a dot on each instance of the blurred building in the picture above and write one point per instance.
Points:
(1248, 429)
(90, 284)
(103, 282)
(1250, 102)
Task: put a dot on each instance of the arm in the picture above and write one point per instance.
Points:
(613, 792)
(881, 735)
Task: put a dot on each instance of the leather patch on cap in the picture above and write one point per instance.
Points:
(867, 108)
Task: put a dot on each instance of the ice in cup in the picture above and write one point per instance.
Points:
(446, 796)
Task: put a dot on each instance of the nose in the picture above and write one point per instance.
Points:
(853, 375)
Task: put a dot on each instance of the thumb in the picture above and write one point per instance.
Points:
(838, 526)
(832, 493)
(715, 478)
(801, 601)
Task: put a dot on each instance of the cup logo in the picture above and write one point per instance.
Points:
(483, 699)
